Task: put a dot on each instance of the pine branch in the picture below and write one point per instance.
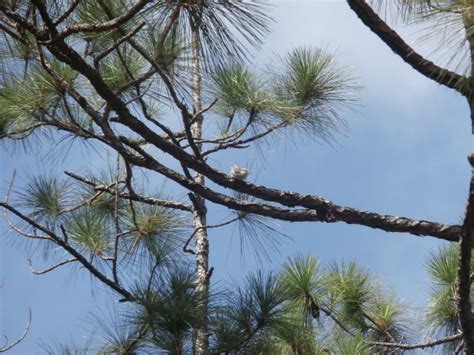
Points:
(102, 54)
(421, 345)
(90, 27)
(315, 207)
(63, 243)
(425, 67)
(131, 196)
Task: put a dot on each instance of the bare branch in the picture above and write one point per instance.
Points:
(50, 268)
(99, 56)
(458, 348)
(236, 143)
(66, 13)
(205, 109)
(422, 345)
(135, 197)
(100, 27)
(185, 247)
(7, 347)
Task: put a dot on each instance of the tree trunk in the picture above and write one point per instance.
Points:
(200, 341)
(464, 306)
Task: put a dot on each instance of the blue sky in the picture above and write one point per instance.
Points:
(403, 153)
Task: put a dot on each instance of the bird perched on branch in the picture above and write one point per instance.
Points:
(238, 172)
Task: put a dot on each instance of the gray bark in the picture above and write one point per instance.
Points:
(200, 341)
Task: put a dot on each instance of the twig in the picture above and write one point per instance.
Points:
(234, 143)
(458, 348)
(117, 222)
(383, 330)
(200, 112)
(99, 56)
(7, 219)
(50, 268)
(185, 247)
(135, 197)
(65, 245)
(66, 13)
(7, 346)
(150, 280)
(98, 27)
(329, 313)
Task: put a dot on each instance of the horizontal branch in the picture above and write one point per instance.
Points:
(425, 67)
(422, 345)
(317, 209)
(102, 26)
(131, 196)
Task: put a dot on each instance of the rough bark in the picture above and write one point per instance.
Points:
(464, 306)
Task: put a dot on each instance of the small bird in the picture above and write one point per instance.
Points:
(239, 173)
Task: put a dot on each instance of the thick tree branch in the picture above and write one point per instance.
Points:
(427, 68)
(421, 345)
(324, 211)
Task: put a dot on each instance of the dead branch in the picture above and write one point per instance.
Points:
(7, 346)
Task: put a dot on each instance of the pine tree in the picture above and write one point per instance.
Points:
(144, 78)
